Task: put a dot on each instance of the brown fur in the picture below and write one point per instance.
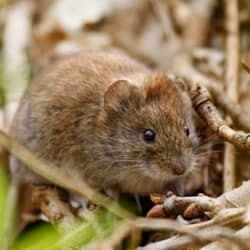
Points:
(87, 113)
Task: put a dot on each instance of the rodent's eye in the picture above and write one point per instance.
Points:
(186, 129)
(149, 135)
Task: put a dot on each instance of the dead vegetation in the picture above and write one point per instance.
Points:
(207, 43)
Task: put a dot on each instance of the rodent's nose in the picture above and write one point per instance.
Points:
(179, 170)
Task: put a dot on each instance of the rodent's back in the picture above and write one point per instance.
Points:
(88, 71)
(59, 110)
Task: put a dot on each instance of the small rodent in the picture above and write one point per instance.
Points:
(108, 120)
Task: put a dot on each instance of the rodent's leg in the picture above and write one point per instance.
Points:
(53, 203)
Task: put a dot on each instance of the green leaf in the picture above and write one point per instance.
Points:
(37, 237)
(4, 184)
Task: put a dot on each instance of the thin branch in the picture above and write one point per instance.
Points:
(205, 235)
(169, 244)
(231, 80)
(207, 111)
(184, 68)
(242, 234)
(236, 198)
(175, 204)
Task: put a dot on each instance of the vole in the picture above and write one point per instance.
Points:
(107, 119)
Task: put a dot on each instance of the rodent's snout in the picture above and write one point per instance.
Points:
(181, 166)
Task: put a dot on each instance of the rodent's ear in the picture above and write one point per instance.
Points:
(121, 94)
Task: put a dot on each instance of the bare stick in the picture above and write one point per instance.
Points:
(242, 234)
(231, 80)
(178, 204)
(184, 68)
(171, 243)
(208, 234)
(207, 111)
(236, 198)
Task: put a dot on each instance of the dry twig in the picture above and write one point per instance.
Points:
(202, 237)
(242, 234)
(171, 243)
(206, 110)
(231, 80)
(184, 68)
(193, 206)
(238, 197)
